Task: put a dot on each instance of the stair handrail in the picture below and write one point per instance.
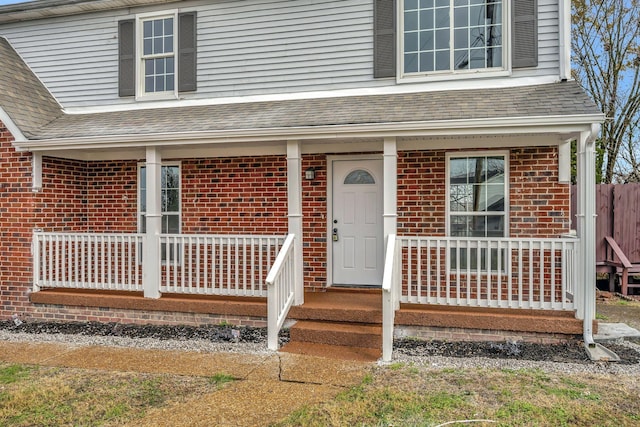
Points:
(390, 301)
(280, 290)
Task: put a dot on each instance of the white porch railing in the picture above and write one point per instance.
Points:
(281, 284)
(478, 272)
(217, 265)
(88, 261)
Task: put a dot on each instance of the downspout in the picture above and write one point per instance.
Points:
(588, 238)
(588, 245)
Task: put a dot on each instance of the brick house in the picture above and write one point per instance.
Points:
(240, 160)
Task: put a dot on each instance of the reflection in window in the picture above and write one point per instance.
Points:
(472, 29)
(359, 176)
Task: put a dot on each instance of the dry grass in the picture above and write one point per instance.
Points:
(409, 396)
(65, 396)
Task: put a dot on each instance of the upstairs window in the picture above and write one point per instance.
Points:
(452, 35)
(158, 65)
(157, 55)
(434, 39)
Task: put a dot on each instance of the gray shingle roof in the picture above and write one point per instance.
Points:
(22, 95)
(556, 99)
(38, 115)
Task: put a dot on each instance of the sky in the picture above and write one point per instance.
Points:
(3, 2)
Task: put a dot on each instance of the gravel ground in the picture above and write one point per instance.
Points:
(569, 357)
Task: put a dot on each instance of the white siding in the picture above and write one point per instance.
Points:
(245, 47)
(548, 42)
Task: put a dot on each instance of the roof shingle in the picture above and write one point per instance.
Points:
(22, 95)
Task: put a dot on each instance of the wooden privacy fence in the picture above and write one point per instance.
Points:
(617, 230)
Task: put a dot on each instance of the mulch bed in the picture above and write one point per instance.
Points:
(570, 352)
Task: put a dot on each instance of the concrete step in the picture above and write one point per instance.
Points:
(338, 333)
(353, 306)
(333, 351)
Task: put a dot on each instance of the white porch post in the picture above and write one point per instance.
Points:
(390, 192)
(294, 203)
(586, 228)
(151, 262)
(36, 172)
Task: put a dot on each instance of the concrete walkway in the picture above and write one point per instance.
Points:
(269, 386)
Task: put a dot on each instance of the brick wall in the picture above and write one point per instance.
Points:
(112, 196)
(241, 195)
(539, 203)
(236, 195)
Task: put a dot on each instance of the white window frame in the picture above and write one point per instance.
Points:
(139, 192)
(435, 76)
(141, 95)
(448, 212)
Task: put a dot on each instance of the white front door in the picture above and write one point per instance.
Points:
(357, 228)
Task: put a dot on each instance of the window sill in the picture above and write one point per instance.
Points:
(442, 77)
(164, 96)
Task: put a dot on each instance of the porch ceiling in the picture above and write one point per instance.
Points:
(554, 108)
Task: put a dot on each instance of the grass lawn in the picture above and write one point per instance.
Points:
(46, 396)
(408, 396)
(395, 395)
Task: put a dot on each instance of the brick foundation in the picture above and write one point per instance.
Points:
(462, 334)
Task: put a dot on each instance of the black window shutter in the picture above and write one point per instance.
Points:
(524, 34)
(187, 72)
(384, 38)
(126, 58)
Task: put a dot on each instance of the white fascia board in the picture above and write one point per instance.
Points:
(18, 136)
(547, 124)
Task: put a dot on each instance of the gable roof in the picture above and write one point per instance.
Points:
(547, 100)
(22, 95)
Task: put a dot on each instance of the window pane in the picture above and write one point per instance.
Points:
(159, 84)
(460, 17)
(495, 169)
(157, 28)
(461, 38)
(495, 197)
(442, 18)
(426, 40)
(143, 200)
(168, 44)
(147, 29)
(168, 26)
(359, 177)
(495, 226)
(459, 226)
(442, 39)
(171, 175)
(460, 197)
(411, 42)
(442, 2)
(461, 58)
(426, 19)
(442, 60)
(477, 171)
(426, 61)
(476, 15)
(143, 224)
(410, 4)
(411, 20)
(424, 4)
(171, 201)
(169, 82)
(148, 47)
(494, 57)
(411, 62)
(173, 224)
(148, 84)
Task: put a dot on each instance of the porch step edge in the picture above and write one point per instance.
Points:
(328, 351)
(338, 333)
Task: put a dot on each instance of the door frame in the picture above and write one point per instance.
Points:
(329, 228)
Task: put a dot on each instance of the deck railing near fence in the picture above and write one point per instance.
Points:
(485, 272)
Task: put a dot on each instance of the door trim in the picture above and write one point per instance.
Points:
(329, 213)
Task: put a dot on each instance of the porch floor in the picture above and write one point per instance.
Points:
(359, 306)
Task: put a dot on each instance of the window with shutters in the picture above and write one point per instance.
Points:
(157, 57)
(452, 36)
